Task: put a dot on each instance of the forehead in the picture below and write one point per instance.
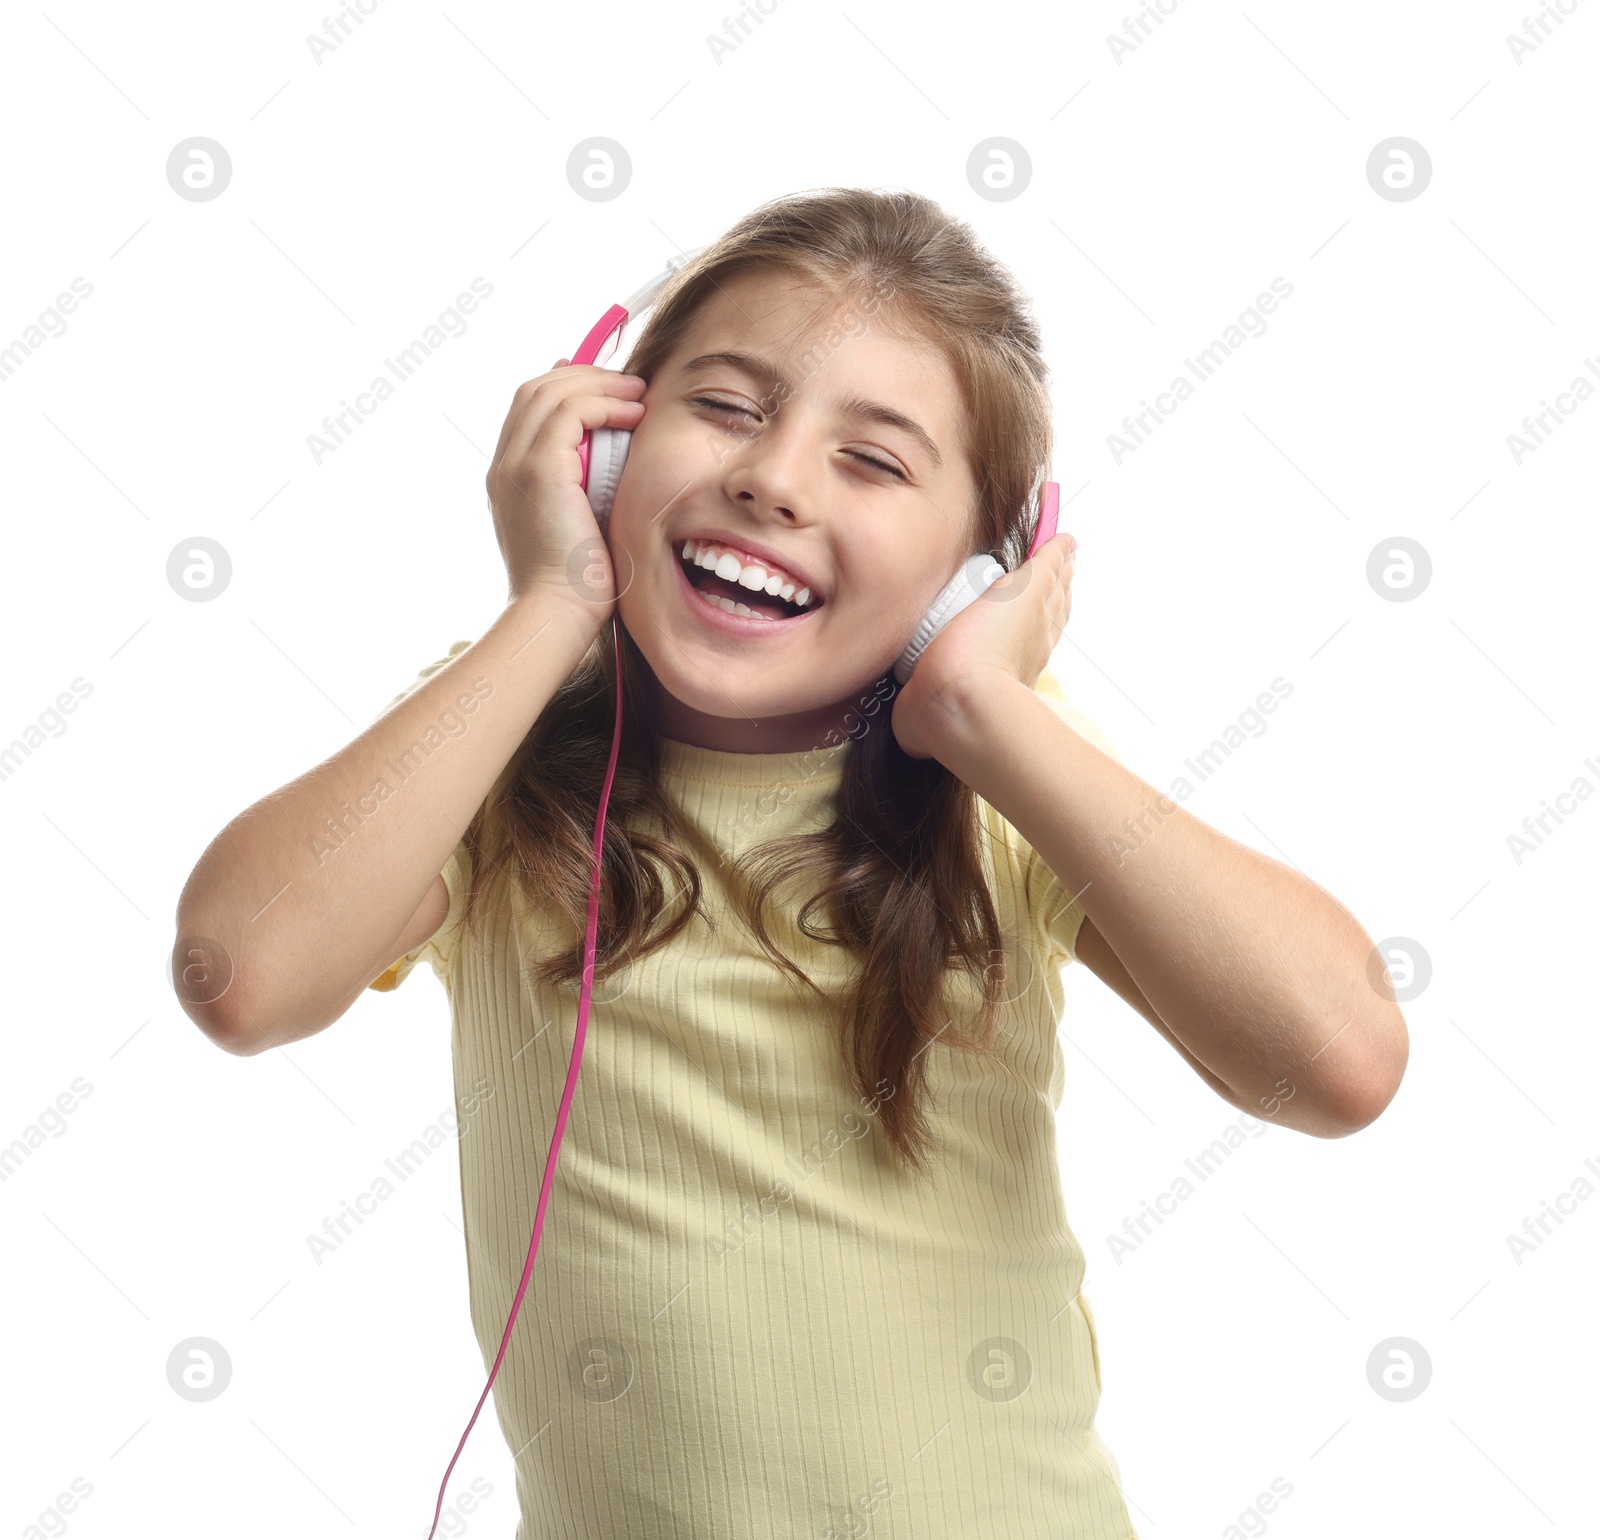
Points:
(828, 347)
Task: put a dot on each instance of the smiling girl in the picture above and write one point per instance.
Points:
(807, 1271)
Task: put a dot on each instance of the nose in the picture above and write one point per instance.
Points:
(766, 474)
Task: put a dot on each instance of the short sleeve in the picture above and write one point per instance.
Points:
(439, 948)
(455, 652)
(1056, 915)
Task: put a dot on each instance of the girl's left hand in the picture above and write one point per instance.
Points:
(1008, 632)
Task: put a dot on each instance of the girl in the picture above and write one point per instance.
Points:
(806, 1271)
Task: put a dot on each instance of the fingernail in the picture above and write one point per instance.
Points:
(1072, 542)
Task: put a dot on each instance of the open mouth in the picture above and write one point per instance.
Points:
(732, 599)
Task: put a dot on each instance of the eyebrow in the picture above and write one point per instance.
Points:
(855, 407)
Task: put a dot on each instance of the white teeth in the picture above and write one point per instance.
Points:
(751, 575)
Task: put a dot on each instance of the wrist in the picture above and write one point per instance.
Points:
(558, 620)
(966, 716)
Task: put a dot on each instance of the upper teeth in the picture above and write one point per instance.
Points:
(748, 574)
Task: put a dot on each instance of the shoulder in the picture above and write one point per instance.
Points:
(427, 673)
(435, 929)
(1048, 689)
(1043, 907)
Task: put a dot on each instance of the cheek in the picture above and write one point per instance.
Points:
(667, 469)
(672, 446)
(890, 596)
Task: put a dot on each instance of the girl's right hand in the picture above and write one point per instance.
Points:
(547, 531)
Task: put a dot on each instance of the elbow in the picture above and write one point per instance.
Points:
(206, 987)
(1371, 1085)
(230, 1030)
(222, 1025)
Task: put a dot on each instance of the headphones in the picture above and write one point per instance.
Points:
(604, 452)
(602, 455)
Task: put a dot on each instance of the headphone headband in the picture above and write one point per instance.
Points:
(618, 316)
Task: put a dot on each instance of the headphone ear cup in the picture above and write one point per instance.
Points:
(966, 587)
(608, 454)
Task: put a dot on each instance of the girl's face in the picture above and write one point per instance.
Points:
(833, 448)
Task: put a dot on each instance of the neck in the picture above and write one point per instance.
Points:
(798, 733)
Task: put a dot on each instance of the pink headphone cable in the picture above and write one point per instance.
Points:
(572, 1070)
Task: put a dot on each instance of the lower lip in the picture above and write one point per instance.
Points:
(739, 625)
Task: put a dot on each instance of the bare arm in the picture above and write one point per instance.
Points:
(312, 891)
(309, 894)
(1257, 974)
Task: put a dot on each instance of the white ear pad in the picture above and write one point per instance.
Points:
(969, 584)
(608, 453)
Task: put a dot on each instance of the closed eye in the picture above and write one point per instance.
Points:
(728, 406)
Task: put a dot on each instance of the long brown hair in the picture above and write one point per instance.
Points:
(898, 872)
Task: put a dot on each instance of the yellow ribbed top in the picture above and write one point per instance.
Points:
(743, 1322)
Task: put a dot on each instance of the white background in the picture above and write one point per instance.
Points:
(1167, 191)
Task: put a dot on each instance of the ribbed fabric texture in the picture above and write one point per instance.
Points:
(744, 1323)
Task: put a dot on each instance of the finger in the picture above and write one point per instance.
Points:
(522, 425)
(612, 403)
(585, 412)
(1059, 544)
(517, 411)
(523, 419)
